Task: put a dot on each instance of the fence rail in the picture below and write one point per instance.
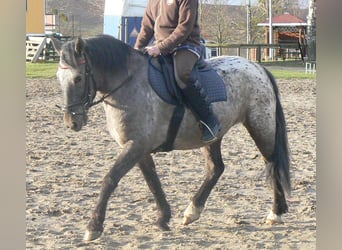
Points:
(261, 52)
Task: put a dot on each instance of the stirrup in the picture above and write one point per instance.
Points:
(210, 134)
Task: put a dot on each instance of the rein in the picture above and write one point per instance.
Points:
(87, 100)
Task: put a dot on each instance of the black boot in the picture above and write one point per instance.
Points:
(196, 100)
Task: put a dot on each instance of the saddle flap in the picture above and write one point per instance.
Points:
(162, 79)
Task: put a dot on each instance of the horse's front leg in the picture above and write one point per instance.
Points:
(129, 156)
(147, 166)
(215, 168)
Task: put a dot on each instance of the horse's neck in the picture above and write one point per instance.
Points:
(134, 73)
(137, 62)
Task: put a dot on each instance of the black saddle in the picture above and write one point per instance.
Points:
(162, 79)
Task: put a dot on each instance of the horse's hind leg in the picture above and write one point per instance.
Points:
(264, 133)
(147, 166)
(215, 168)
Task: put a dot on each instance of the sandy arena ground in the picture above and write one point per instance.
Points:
(64, 170)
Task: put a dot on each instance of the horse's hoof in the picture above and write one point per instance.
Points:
(191, 214)
(163, 226)
(273, 219)
(91, 235)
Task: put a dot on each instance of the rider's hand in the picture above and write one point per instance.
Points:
(153, 50)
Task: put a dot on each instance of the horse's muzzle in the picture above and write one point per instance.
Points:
(75, 121)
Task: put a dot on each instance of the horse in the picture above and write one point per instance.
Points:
(138, 120)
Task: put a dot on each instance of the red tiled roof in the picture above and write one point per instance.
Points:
(284, 19)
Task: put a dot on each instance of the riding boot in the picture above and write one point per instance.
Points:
(197, 101)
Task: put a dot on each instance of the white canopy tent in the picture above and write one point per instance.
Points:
(116, 9)
(125, 7)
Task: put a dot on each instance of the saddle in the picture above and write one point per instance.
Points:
(162, 79)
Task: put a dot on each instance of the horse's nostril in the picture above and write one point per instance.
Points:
(74, 125)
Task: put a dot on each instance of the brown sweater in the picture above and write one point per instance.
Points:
(171, 22)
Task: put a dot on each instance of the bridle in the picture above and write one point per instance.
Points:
(89, 92)
(90, 86)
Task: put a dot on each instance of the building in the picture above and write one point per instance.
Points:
(35, 11)
(287, 30)
(122, 19)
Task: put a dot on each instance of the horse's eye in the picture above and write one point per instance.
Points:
(77, 79)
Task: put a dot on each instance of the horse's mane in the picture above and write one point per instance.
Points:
(105, 52)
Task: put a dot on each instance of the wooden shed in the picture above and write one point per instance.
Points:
(287, 30)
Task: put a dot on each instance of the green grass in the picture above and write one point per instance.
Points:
(48, 70)
(291, 74)
(288, 69)
(41, 70)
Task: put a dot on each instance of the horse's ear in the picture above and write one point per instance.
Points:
(57, 45)
(79, 45)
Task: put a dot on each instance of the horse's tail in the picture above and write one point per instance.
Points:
(278, 168)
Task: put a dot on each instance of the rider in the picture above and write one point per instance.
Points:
(174, 26)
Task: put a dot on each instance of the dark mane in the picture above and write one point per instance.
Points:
(107, 52)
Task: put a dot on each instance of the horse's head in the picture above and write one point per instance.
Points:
(76, 82)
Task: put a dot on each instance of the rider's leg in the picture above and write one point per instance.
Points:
(195, 96)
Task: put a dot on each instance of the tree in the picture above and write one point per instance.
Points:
(311, 33)
(220, 23)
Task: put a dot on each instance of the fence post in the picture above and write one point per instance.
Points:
(258, 53)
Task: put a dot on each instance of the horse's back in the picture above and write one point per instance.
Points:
(247, 85)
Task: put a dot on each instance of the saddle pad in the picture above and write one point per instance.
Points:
(208, 78)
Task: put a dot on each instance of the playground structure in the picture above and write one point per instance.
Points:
(40, 47)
